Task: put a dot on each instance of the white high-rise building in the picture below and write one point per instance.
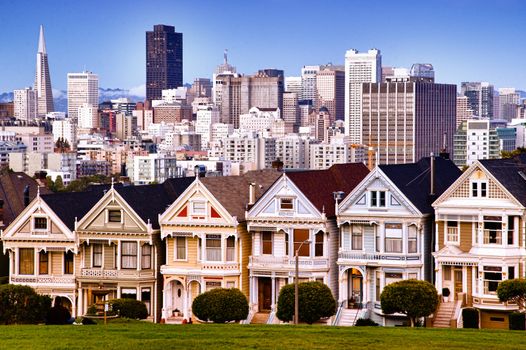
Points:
(293, 84)
(25, 104)
(67, 130)
(82, 88)
(87, 116)
(365, 67)
(206, 116)
(308, 83)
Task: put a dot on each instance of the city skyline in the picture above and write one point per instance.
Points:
(406, 35)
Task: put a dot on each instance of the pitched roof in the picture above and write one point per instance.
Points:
(414, 180)
(318, 185)
(12, 187)
(511, 173)
(233, 191)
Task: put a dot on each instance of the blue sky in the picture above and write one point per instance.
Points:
(464, 39)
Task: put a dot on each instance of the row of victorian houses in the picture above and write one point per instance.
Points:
(353, 229)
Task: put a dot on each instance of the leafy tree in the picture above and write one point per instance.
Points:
(409, 297)
(314, 298)
(513, 290)
(130, 308)
(59, 184)
(511, 154)
(22, 305)
(221, 305)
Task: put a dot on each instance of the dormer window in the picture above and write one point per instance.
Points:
(378, 199)
(114, 215)
(479, 189)
(286, 204)
(40, 223)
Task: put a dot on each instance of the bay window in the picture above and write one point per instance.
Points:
(301, 236)
(492, 278)
(492, 230)
(213, 247)
(180, 248)
(393, 238)
(97, 255)
(231, 248)
(266, 242)
(129, 255)
(412, 240)
(26, 261)
(357, 237)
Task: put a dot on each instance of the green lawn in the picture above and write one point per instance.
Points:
(143, 336)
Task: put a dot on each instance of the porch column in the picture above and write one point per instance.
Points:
(164, 310)
(439, 277)
(465, 279)
(186, 302)
(118, 255)
(35, 261)
(139, 254)
(80, 303)
(273, 294)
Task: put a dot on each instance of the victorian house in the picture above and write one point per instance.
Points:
(207, 243)
(386, 229)
(480, 236)
(120, 246)
(297, 214)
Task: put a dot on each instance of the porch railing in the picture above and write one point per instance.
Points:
(42, 279)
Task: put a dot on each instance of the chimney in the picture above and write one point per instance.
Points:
(26, 196)
(251, 193)
(1, 212)
(443, 152)
(432, 189)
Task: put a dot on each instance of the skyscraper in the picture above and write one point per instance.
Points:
(43, 79)
(509, 99)
(164, 60)
(308, 83)
(25, 104)
(360, 68)
(480, 98)
(330, 89)
(83, 88)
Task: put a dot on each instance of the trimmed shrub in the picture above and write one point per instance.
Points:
(22, 305)
(92, 310)
(513, 290)
(470, 317)
(221, 305)
(130, 308)
(361, 322)
(410, 297)
(517, 321)
(314, 298)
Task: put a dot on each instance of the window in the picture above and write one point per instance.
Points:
(511, 229)
(391, 277)
(231, 248)
(146, 297)
(318, 246)
(213, 247)
(266, 242)
(492, 278)
(199, 208)
(286, 244)
(377, 287)
(378, 242)
(452, 232)
(393, 238)
(97, 255)
(357, 237)
(129, 255)
(378, 199)
(231, 284)
(511, 272)
(146, 257)
(128, 293)
(40, 223)
(412, 239)
(212, 285)
(479, 189)
(286, 204)
(180, 248)
(492, 230)
(301, 236)
(114, 216)
(68, 263)
(26, 263)
(43, 263)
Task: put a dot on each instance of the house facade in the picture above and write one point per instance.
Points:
(386, 231)
(296, 214)
(480, 236)
(207, 243)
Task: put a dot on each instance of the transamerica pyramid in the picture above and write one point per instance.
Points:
(43, 78)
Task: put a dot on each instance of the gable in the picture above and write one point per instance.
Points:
(37, 222)
(196, 206)
(284, 199)
(112, 214)
(365, 198)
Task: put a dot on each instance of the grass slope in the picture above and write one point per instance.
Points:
(143, 336)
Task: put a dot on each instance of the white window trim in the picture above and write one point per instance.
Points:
(378, 206)
(185, 249)
(93, 253)
(478, 182)
(292, 199)
(40, 231)
(446, 240)
(193, 213)
(261, 243)
(108, 215)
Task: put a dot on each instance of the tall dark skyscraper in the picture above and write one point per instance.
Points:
(164, 60)
(43, 79)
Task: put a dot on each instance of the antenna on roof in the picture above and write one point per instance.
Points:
(38, 191)
(112, 182)
(225, 56)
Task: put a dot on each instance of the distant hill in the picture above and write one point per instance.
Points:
(61, 101)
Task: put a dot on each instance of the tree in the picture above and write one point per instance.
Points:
(130, 308)
(22, 305)
(59, 184)
(314, 298)
(409, 297)
(513, 290)
(514, 153)
(221, 305)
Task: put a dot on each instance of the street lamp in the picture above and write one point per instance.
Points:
(296, 283)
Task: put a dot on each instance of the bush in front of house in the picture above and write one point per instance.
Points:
(22, 305)
(413, 298)
(514, 291)
(130, 308)
(221, 305)
(361, 322)
(315, 302)
(517, 321)
(470, 318)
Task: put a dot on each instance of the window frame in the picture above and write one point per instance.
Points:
(267, 243)
(41, 262)
(131, 256)
(112, 217)
(184, 247)
(146, 259)
(69, 264)
(378, 199)
(93, 255)
(286, 203)
(41, 219)
(30, 261)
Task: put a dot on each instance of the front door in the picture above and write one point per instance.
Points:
(355, 279)
(177, 298)
(458, 281)
(265, 294)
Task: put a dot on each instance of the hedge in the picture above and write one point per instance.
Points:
(517, 321)
(130, 308)
(221, 305)
(470, 317)
(315, 301)
(365, 322)
(22, 305)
